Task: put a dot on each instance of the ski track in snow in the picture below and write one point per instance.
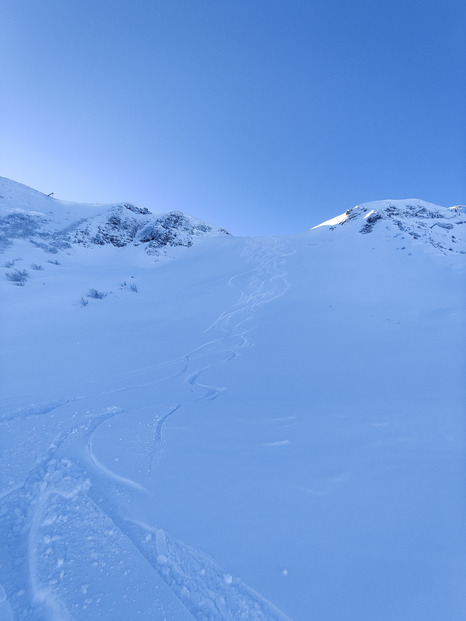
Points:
(70, 504)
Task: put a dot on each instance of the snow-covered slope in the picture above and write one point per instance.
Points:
(55, 225)
(260, 428)
(439, 227)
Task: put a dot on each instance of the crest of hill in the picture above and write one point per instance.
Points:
(444, 228)
(54, 225)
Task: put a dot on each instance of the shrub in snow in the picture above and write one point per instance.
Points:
(19, 277)
(133, 288)
(11, 263)
(84, 301)
(95, 294)
(53, 262)
(34, 266)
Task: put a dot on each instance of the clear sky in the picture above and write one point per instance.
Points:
(263, 116)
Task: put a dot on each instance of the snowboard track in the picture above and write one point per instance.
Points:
(35, 515)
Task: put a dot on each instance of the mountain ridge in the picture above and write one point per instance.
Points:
(440, 227)
(53, 225)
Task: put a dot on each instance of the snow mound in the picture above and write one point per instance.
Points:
(55, 225)
(441, 227)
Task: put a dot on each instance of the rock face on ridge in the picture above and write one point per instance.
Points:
(55, 225)
(127, 224)
(440, 227)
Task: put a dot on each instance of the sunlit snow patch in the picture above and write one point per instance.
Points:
(337, 220)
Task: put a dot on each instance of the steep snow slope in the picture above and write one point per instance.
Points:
(260, 428)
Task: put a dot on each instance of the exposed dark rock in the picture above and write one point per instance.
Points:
(122, 225)
(370, 223)
(143, 211)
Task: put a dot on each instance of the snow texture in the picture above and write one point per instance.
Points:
(272, 428)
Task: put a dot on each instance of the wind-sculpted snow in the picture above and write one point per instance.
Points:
(81, 541)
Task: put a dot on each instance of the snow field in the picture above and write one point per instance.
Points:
(268, 428)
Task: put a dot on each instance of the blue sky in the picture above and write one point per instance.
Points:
(263, 116)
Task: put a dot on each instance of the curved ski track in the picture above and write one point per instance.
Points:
(69, 501)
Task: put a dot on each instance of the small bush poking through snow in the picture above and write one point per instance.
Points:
(133, 288)
(34, 266)
(84, 301)
(95, 294)
(11, 263)
(53, 262)
(19, 277)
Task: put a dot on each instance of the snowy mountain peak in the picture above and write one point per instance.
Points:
(441, 227)
(54, 225)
